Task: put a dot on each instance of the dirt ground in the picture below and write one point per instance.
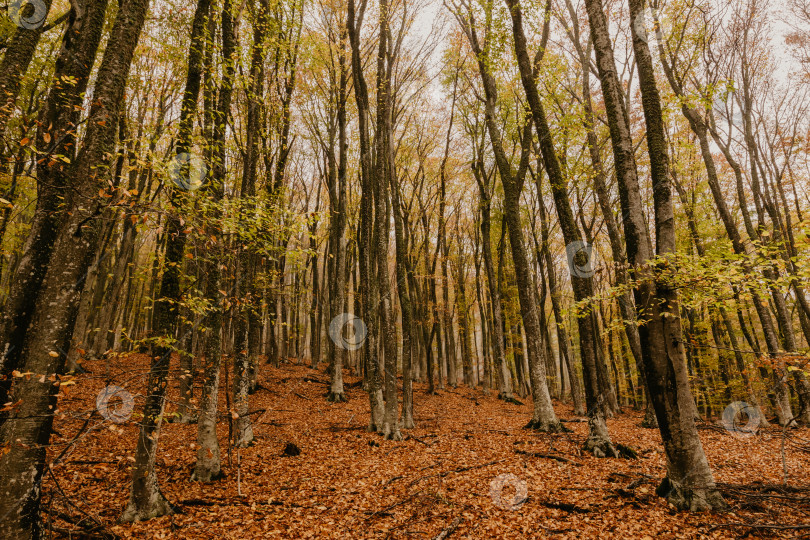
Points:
(468, 469)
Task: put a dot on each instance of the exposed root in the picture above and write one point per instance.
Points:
(336, 397)
(600, 447)
(691, 498)
(547, 427)
(510, 399)
(626, 452)
(206, 476)
(246, 441)
(650, 421)
(157, 507)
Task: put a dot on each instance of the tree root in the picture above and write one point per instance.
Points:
(158, 506)
(245, 442)
(562, 459)
(626, 452)
(691, 498)
(336, 397)
(650, 421)
(547, 427)
(510, 399)
(600, 447)
(207, 477)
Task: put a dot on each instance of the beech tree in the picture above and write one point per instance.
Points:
(601, 208)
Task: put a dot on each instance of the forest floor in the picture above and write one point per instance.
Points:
(444, 477)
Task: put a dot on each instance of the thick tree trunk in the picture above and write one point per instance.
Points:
(367, 220)
(19, 53)
(625, 299)
(23, 463)
(689, 483)
(385, 176)
(208, 467)
(72, 70)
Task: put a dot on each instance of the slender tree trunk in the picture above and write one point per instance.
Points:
(563, 340)
(145, 499)
(337, 224)
(208, 467)
(543, 418)
(598, 440)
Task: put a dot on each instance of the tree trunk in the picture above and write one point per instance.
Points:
(22, 465)
(208, 468)
(19, 52)
(689, 483)
(598, 440)
(145, 499)
(337, 225)
(61, 114)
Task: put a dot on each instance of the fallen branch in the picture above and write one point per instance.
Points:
(571, 508)
(417, 439)
(755, 526)
(548, 456)
(403, 501)
(456, 470)
(463, 469)
(394, 479)
(449, 530)
(104, 532)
